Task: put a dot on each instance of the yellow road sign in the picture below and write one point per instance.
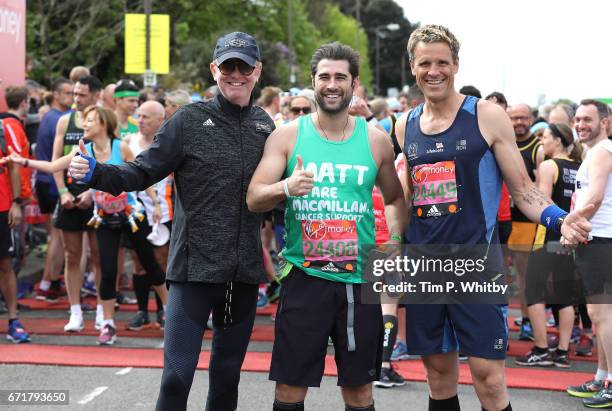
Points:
(135, 43)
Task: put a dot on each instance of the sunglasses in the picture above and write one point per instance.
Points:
(228, 67)
(298, 110)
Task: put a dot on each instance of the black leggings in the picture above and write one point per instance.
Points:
(108, 246)
(189, 305)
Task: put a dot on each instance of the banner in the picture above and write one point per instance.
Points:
(12, 45)
(135, 43)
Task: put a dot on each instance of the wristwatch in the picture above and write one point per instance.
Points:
(18, 200)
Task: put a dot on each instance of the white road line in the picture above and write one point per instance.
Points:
(89, 397)
(124, 371)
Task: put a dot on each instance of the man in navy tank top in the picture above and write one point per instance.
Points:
(473, 142)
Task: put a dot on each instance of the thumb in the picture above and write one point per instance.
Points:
(82, 148)
(300, 163)
(10, 149)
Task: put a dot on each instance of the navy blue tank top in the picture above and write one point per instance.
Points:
(456, 181)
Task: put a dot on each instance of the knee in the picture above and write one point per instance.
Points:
(441, 382)
(289, 394)
(359, 397)
(491, 384)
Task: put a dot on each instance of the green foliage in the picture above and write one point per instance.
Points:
(65, 33)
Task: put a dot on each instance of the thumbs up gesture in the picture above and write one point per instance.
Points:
(301, 181)
(82, 164)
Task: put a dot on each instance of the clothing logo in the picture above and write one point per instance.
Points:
(498, 344)
(330, 267)
(208, 123)
(263, 127)
(315, 230)
(388, 325)
(461, 145)
(434, 212)
(439, 148)
(412, 150)
(236, 43)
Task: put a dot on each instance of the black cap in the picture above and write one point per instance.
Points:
(237, 45)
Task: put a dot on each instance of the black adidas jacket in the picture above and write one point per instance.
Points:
(213, 149)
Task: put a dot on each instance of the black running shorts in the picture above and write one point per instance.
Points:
(593, 262)
(73, 219)
(311, 310)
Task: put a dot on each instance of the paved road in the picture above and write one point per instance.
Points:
(137, 390)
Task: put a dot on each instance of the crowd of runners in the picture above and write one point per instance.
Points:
(177, 183)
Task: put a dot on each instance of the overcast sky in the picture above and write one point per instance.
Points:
(527, 49)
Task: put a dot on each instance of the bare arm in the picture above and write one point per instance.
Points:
(266, 190)
(600, 168)
(404, 174)
(546, 177)
(14, 215)
(388, 183)
(58, 149)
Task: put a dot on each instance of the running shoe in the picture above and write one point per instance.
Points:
(75, 324)
(400, 352)
(51, 295)
(586, 390)
(576, 333)
(262, 300)
(560, 360)
(139, 321)
(462, 357)
(123, 298)
(602, 399)
(16, 333)
(526, 332)
(209, 323)
(532, 358)
(518, 321)
(89, 287)
(389, 378)
(585, 346)
(161, 319)
(107, 335)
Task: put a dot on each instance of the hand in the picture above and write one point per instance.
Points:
(301, 181)
(67, 200)
(157, 213)
(360, 108)
(576, 227)
(80, 165)
(14, 215)
(13, 157)
(84, 200)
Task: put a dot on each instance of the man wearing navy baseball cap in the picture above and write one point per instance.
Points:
(215, 260)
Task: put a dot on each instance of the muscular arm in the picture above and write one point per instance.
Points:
(163, 156)
(497, 129)
(266, 189)
(600, 168)
(404, 174)
(388, 183)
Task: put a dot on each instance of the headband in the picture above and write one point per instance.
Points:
(125, 93)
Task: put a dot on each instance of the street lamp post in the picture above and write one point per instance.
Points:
(378, 33)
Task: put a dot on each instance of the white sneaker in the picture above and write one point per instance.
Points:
(99, 321)
(75, 324)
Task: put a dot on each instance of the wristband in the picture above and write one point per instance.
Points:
(92, 164)
(550, 217)
(396, 237)
(286, 187)
(370, 117)
(62, 190)
(25, 163)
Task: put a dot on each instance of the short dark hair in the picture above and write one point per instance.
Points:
(336, 51)
(602, 108)
(470, 91)
(59, 82)
(92, 82)
(499, 97)
(15, 95)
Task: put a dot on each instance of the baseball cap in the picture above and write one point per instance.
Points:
(237, 45)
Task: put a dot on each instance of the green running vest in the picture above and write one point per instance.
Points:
(327, 229)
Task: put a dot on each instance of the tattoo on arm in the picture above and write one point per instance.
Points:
(535, 197)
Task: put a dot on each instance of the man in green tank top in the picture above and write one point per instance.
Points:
(325, 166)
